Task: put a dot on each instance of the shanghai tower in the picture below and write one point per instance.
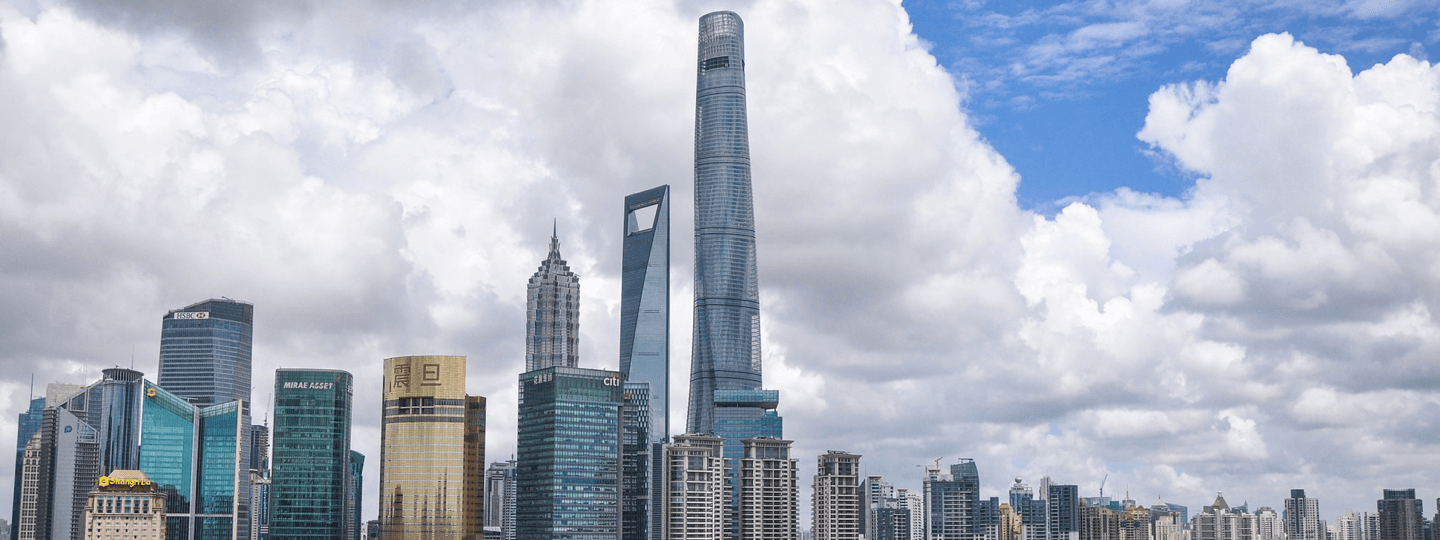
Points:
(725, 362)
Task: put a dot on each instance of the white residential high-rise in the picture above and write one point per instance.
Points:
(1166, 526)
(768, 491)
(874, 491)
(913, 502)
(1302, 517)
(1269, 525)
(1220, 522)
(836, 497)
(1350, 526)
(694, 494)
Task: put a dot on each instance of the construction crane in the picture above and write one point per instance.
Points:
(1102, 484)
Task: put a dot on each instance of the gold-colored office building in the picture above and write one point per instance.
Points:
(432, 449)
(125, 505)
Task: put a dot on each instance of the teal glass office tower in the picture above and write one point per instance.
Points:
(355, 498)
(310, 470)
(568, 460)
(726, 350)
(196, 455)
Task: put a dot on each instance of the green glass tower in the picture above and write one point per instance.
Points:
(569, 462)
(310, 467)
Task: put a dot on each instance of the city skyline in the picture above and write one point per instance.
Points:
(1268, 328)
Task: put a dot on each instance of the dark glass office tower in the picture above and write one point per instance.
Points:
(1402, 516)
(645, 302)
(310, 462)
(113, 409)
(568, 458)
(953, 508)
(726, 348)
(205, 352)
(637, 460)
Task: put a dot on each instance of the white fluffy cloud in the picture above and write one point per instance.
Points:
(382, 183)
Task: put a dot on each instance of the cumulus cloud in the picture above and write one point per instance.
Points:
(382, 182)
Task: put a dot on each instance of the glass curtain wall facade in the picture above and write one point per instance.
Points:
(569, 459)
(474, 468)
(355, 497)
(114, 411)
(197, 457)
(637, 459)
(645, 302)
(205, 352)
(423, 425)
(310, 470)
(726, 347)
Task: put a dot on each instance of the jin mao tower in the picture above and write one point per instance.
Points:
(552, 313)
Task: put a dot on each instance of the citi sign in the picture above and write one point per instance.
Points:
(613, 380)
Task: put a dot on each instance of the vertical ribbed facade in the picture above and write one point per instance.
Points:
(568, 455)
(726, 347)
(205, 352)
(424, 483)
(768, 491)
(693, 493)
(1302, 517)
(310, 475)
(552, 314)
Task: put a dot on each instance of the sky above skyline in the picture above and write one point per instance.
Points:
(1190, 247)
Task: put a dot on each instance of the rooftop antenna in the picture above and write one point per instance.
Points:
(32, 385)
(132, 357)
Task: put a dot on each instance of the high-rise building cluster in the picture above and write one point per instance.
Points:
(181, 459)
(126, 457)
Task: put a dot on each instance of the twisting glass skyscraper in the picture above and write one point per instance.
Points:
(552, 313)
(726, 349)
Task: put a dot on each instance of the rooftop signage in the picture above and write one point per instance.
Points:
(123, 483)
(302, 385)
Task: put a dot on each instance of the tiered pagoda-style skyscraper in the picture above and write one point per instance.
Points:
(552, 314)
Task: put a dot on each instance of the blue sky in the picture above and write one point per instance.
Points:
(1060, 88)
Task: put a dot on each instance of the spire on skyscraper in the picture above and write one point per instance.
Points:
(552, 320)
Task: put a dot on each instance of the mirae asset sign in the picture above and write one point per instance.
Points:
(302, 385)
